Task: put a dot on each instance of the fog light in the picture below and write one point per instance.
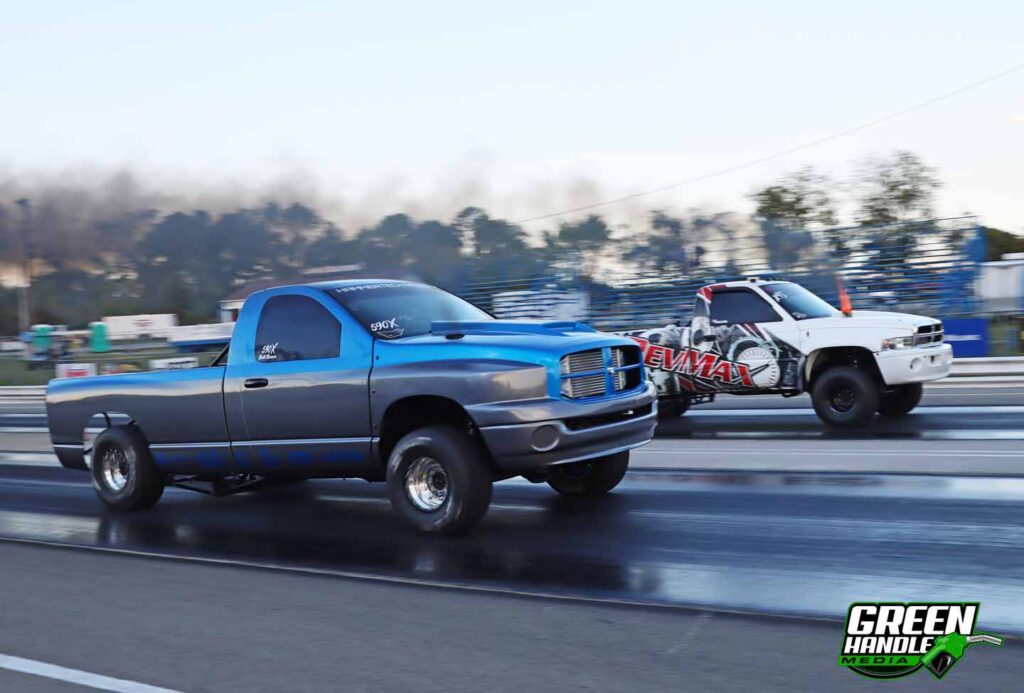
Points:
(915, 364)
(545, 438)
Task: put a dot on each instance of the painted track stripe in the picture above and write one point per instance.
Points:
(76, 676)
(807, 411)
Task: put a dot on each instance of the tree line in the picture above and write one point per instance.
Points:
(184, 262)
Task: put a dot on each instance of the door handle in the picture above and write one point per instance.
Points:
(252, 383)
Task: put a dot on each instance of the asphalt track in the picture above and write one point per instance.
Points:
(715, 566)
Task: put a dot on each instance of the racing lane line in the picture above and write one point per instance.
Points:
(76, 676)
(807, 411)
(829, 452)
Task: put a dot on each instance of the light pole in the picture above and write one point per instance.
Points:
(24, 309)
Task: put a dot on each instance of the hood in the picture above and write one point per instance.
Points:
(507, 340)
(508, 327)
(864, 319)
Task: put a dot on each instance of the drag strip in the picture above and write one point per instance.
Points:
(802, 545)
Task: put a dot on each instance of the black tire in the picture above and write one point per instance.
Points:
(590, 477)
(845, 397)
(673, 407)
(467, 480)
(123, 472)
(900, 400)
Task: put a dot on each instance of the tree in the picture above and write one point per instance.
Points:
(584, 240)
(799, 201)
(898, 188)
(383, 247)
(675, 245)
(435, 250)
(999, 242)
(498, 249)
(791, 210)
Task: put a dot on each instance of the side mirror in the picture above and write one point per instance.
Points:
(705, 338)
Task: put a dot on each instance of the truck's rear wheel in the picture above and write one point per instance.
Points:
(900, 400)
(438, 480)
(589, 477)
(123, 472)
(845, 397)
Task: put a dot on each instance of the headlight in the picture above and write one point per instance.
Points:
(898, 342)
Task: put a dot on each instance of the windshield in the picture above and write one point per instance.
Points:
(798, 301)
(390, 310)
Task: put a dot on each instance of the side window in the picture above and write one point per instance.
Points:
(296, 328)
(737, 306)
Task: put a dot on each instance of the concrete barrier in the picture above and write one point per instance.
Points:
(1007, 370)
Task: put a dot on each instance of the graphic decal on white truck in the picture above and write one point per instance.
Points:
(776, 337)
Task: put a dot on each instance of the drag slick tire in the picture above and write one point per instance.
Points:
(900, 400)
(439, 480)
(123, 473)
(845, 397)
(673, 407)
(590, 477)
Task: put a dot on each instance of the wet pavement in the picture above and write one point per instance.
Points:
(790, 543)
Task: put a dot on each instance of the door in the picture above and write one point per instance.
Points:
(744, 344)
(297, 396)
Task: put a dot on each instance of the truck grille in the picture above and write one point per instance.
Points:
(595, 372)
(929, 334)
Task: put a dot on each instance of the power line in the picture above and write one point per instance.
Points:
(782, 153)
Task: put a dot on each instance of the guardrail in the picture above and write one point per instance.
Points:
(997, 370)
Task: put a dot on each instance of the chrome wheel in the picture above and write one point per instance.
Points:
(115, 469)
(426, 484)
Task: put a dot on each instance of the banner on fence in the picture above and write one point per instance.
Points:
(75, 370)
(968, 336)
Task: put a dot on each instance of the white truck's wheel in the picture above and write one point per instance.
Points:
(900, 400)
(589, 477)
(438, 480)
(845, 397)
(673, 407)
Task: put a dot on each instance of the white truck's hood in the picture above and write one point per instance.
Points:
(869, 319)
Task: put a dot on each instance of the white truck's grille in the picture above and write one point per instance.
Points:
(929, 334)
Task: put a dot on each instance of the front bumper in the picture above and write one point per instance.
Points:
(592, 430)
(917, 365)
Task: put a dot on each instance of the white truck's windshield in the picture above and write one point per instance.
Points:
(798, 301)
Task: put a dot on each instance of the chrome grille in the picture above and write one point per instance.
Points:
(929, 334)
(595, 382)
(582, 386)
(619, 359)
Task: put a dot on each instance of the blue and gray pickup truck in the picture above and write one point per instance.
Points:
(373, 379)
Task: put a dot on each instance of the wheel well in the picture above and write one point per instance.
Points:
(407, 415)
(103, 420)
(823, 359)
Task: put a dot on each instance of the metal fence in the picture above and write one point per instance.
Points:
(927, 266)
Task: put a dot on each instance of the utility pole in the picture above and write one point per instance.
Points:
(24, 306)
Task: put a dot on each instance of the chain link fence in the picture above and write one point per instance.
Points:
(928, 266)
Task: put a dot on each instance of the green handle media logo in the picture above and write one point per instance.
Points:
(887, 640)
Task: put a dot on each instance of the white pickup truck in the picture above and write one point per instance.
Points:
(776, 337)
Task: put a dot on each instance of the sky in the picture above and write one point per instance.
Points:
(524, 108)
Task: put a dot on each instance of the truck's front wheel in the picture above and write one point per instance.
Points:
(123, 472)
(438, 480)
(900, 400)
(589, 477)
(846, 397)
